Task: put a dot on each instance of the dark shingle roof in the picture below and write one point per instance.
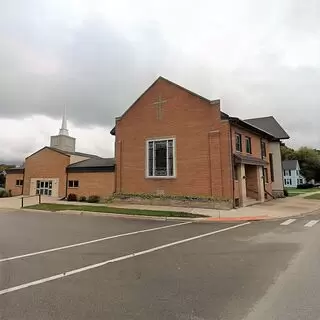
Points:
(94, 163)
(15, 170)
(289, 164)
(251, 127)
(270, 125)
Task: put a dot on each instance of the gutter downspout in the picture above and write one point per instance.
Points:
(22, 189)
(232, 167)
(67, 176)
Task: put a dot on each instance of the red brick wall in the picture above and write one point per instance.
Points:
(11, 179)
(46, 164)
(93, 183)
(202, 145)
(255, 146)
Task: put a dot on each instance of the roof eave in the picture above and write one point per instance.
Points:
(249, 126)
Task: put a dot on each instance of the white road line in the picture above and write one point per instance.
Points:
(92, 241)
(287, 222)
(311, 223)
(132, 255)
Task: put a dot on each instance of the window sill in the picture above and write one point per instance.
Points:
(73, 187)
(161, 177)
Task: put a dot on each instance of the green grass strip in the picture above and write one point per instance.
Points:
(106, 209)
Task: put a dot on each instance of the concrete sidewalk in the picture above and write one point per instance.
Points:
(279, 208)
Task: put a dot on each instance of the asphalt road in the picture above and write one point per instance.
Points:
(115, 268)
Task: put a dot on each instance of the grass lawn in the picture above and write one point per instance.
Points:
(157, 213)
(315, 196)
(294, 192)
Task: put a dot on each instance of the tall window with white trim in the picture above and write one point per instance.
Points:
(160, 158)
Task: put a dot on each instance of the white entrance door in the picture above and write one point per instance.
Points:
(44, 187)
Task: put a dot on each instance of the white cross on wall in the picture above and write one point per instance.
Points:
(159, 104)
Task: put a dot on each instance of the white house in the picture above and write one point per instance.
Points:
(291, 174)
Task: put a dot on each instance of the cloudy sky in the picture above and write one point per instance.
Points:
(96, 57)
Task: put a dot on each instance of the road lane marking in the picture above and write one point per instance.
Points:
(92, 241)
(311, 223)
(287, 222)
(103, 263)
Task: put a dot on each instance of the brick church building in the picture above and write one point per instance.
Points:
(59, 170)
(171, 141)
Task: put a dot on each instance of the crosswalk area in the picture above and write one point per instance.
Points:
(307, 224)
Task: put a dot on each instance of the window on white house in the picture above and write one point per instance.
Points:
(73, 183)
(161, 158)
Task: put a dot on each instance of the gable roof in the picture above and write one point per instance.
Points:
(270, 125)
(53, 149)
(290, 164)
(213, 102)
(66, 153)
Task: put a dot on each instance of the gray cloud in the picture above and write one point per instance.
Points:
(258, 60)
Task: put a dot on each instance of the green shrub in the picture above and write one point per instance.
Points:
(285, 192)
(72, 197)
(94, 199)
(3, 193)
(124, 196)
(83, 199)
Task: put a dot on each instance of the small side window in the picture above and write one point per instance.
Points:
(238, 142)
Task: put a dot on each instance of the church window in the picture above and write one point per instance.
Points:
(160, 158)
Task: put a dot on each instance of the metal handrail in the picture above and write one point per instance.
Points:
(22, 199)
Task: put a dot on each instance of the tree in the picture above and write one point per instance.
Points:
(309, 160)
(287, 153)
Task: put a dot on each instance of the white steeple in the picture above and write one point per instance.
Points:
(64, 129)
(63, 141)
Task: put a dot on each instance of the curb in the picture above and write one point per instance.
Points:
(155, 218)
(236, 219)
(159, 218)
(114, 215)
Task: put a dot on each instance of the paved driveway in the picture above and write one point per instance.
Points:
(15, 202)
(58, 266)
(10, 203)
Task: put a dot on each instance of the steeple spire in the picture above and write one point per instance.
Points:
(64, 130)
